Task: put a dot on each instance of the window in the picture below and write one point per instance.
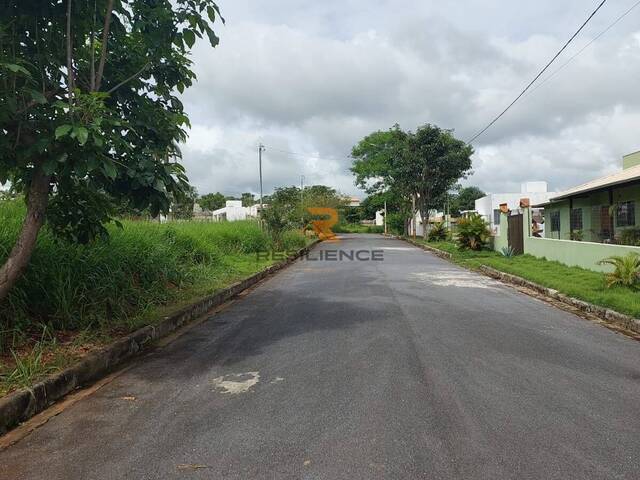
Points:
(496, 217)
(576, 219)
(555, 221)
(626, 214)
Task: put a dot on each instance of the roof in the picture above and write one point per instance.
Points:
(624, 176)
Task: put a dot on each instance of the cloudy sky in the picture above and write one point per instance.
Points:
(309, 79)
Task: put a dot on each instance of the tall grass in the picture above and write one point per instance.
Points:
(110, 282)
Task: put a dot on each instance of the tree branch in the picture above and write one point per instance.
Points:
(92, 80)
(127, 80)
(105, 38)
(70, 80)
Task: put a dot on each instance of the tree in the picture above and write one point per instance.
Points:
(212, 201)
(248, 199)
(465, 199)
(89, 112)
(421, 165)
(182, 207)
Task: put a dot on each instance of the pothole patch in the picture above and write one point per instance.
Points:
(236, 383)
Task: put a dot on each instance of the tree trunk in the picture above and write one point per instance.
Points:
(20, 255)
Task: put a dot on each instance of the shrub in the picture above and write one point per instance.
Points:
(473, 233)
(438, 232)
(507, 252)
(630, 236)
(626, 270)
(292, 240)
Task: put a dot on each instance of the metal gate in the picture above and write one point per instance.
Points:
(515, 234)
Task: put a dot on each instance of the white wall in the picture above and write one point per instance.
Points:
(486, 205)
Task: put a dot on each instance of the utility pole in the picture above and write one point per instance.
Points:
(302, 200)
(385, 217)
(413, 214)
(260, 150)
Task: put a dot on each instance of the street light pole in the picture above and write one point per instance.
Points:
(260, 150)
(302, 200)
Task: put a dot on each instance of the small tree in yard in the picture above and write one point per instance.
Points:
(88, 111)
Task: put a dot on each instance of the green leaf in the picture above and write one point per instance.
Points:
(62, 130)
(97, 140)
(180, 87)
(159, 185)
(213, 38)
(38, 97)
(82, 134)
(109, 169)
(211, 13)
(17, 68)
(189, 37)
(49, 166)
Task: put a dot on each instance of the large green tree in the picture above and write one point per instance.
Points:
(422, 165)
(465, 199)
(212, 201)
(89, 113)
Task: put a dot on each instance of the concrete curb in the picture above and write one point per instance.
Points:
(24, 404)
(625, 321)
(607, 315)
(435, 251)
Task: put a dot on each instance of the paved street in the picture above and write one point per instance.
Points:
(404, 368)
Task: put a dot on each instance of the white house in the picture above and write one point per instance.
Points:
(233, 211)
(489, 206)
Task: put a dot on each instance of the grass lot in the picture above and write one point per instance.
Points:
(357, 228)
(573, 281)
(74, 298)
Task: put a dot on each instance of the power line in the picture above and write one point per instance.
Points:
(539, 74)
(596, 38)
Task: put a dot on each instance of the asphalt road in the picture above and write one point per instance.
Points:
(404, 368)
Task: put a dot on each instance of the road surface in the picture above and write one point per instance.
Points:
(404, 368)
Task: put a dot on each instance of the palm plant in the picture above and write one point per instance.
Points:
(473, 232)
(626, 270)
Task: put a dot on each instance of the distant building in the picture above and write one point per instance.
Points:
(353, 201)
(488, 207)
(234, 211)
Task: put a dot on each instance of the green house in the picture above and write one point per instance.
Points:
(604, 210)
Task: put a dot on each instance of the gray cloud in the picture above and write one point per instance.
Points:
(313, 78)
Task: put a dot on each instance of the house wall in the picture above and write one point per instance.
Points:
(501, 239)
(591, 204)
(579, 254)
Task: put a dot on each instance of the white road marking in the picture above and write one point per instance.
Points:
(236, 383)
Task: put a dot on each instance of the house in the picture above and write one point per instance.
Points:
(604, 210)
(488, 207)
(233, 211)
(434, 217)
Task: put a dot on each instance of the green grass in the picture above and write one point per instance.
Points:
(84, 295)
(357, 228)
(573, 281)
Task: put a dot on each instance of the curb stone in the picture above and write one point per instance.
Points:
(620, 319)
(23, 404)
(611, 316)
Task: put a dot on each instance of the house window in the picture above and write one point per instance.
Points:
(496, 217)
(626, 214)
(576, 219)
(555, 221)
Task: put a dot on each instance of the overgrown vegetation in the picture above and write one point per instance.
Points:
(438, 232)
(357, 228)
(472, 232)
(111, 286)
(585, 284)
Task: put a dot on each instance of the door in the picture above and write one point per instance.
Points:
(515, 235)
